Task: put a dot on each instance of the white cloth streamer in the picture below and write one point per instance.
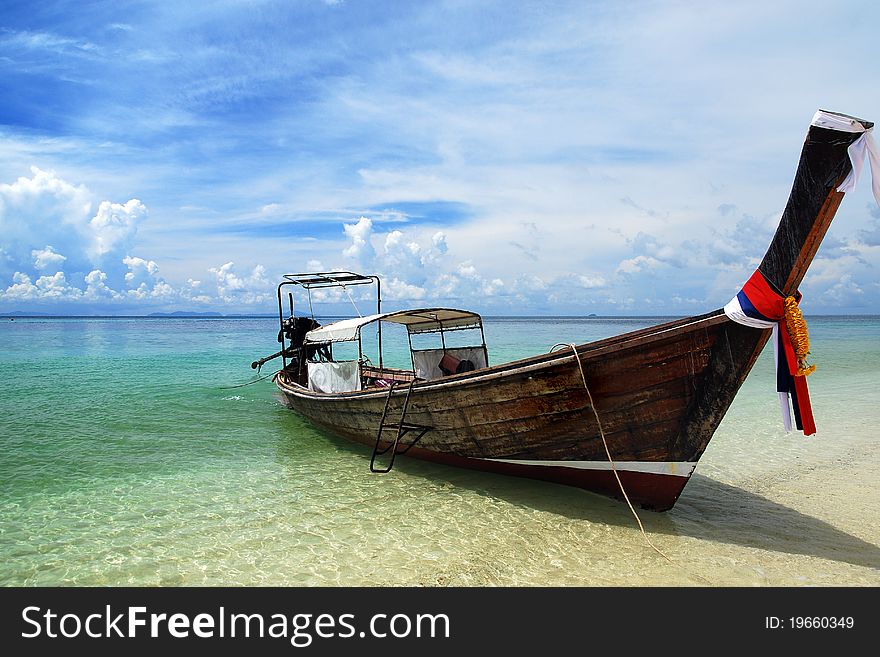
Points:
(735, 312)
(864, 145)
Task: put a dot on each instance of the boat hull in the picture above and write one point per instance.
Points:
(659, 393)
(533, 417)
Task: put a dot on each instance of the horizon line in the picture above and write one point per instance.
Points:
(195, 315)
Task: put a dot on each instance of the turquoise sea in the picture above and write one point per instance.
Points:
(126, 458)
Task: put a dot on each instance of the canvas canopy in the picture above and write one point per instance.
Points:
(421, 320)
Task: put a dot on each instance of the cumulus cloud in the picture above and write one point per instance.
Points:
(467, 270)
(253, 288)
(48, 224)
(400, 255)
(360, 249)
(58, 245)
(438, 240)
(47, 259)
(637, 264)
(114, 227)
(97, 289)
(466, 282)
(41, 210)
(592, 282)
(652, 253)
(142, 282)
(414, 264)
(21, 287)
(140, 271)
(54, 287)
(407, 262)
(656, 250)
(843, 291)
(401, 290)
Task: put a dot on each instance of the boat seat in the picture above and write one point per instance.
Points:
(451, 364)
(373, 375)
(436, 363)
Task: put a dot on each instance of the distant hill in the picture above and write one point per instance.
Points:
(18, 313)
(186, 313)
(176, 313)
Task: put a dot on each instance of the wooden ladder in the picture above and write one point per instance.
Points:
(402, 428)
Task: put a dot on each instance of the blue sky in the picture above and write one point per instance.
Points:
(514, 158)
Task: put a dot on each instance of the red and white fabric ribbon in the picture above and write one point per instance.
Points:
(760, 306)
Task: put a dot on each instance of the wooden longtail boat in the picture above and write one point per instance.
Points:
(642, 405)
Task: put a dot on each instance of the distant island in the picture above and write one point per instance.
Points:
(186, 313)
(176, 314)
(18, 313)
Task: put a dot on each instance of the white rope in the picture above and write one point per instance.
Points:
(608, 452)
(342, 285)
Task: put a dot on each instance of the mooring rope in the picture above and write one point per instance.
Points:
(249, 383)
(345, 289)
(577, 357)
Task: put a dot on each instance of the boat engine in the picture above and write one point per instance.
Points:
(294, 329)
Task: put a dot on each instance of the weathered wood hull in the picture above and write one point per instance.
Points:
(660, 393)
(533, 417)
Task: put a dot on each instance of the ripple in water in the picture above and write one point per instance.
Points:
(126, 464)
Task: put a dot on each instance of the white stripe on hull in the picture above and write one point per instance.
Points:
(673, 468)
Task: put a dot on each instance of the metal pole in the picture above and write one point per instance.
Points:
(379, 311)
(281, 327)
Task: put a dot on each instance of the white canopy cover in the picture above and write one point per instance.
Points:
(419, 320)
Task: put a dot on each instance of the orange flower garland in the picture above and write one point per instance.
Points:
(800, 338)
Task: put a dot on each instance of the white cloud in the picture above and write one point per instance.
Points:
(41, 210)
(144, 283)
(467, 269)
(592, 282)
(438, 240)
(45, 288)
(401, 290)
(253, 288)
(638, 264)
(97, 289)
(843, 291)
(586, 166)
(46, 210)
(114, 227)
(21, 288)
(360, 234)
(492, 287)
(47, 258)
(139, 270)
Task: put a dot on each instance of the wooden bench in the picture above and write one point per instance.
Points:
(372, 375)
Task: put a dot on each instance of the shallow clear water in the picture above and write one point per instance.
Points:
(125, 458)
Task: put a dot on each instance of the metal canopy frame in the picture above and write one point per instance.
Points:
(431, 321)
(316, 280)
(330, 279)
(418, 321)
